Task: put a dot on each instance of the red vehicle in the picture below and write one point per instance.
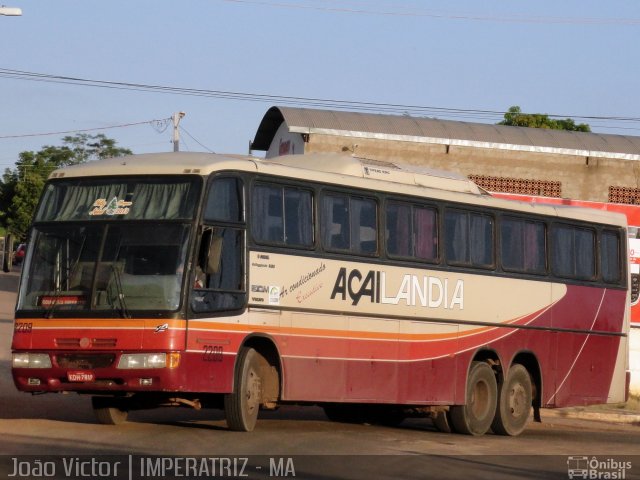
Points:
(18, 255)
(372, 289)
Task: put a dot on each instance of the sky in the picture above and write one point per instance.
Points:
(574, 58)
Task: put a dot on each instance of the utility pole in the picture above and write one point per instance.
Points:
(10, 11)
(176, 133)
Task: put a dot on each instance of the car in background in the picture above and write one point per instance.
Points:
(18, 255)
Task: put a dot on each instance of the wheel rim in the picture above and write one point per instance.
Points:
(480, 398)
(252, 392)
(517, 400)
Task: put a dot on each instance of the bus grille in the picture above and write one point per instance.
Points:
(85, 360)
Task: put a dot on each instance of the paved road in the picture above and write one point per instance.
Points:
(64, 425)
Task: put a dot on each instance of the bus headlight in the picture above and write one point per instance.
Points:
(31, 360)
(148, 360)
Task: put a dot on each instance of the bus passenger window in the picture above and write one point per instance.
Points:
(282, 215)
(350, 223)
(456, 235)
(522, 245)
(469, 238)
(412, 231)
(610, 257)
(399, 230)
(364, 224)
(298, 225)
(224, 201)
(335, 222)
(573, 252)
(425, 233)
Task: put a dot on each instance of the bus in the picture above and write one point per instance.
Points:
(374, 290)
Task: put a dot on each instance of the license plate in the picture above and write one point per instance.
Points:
(81, 376)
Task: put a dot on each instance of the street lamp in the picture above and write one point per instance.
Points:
(10, 11)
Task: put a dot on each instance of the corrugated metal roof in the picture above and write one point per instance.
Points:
(430, 130)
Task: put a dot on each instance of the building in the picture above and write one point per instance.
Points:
(553, 163)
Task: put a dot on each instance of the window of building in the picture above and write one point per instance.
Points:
(522, 186)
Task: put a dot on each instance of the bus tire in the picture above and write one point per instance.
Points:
(476, 415)
(241, 407)
(514, 402)
(108, 414)
(442, 421)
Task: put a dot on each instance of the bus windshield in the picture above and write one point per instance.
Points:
(108, 267)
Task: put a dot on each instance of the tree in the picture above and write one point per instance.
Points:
(21, 187)
(516, 118)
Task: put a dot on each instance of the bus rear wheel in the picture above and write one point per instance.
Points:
(107, 413)
(476, 415)
(514, 402)
(241, 407)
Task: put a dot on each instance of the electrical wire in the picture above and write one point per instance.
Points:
(413, 12)
(400, 109)
(184, 130)
(44, 134)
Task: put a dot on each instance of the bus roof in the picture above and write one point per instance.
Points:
(330, 168)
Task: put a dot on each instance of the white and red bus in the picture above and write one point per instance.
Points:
(369, 288)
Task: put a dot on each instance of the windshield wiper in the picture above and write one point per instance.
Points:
(118, 283)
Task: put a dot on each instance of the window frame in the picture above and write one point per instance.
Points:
(436, 238)
(283, 187)
(350, 196)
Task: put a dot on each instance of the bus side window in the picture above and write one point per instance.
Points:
(364, 222)
(224, 201)
(522, 245)
(469, 238)
(335, 222)
(573, 252)
(610, 257)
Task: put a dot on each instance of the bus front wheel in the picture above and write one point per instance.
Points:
(241, 407)
(514, 402)
(107, 412)
(476, 415)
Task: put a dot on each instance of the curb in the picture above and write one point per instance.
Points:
(618, 417)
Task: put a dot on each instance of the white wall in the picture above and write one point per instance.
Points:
(285, 143)
(634, 360)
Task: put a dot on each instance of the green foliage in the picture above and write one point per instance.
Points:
(21, 187)
(516, 118)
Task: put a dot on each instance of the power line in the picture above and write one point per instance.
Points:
(417, 110)
(413, 12)
(195, 139)
(44, 134)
